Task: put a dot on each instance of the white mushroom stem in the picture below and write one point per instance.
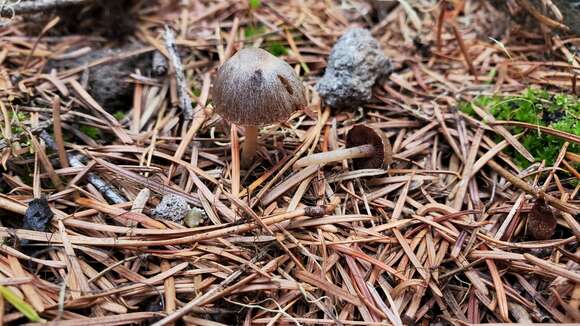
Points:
(249, 146)
(337, 155)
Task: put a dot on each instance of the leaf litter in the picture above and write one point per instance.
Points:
(441, 236)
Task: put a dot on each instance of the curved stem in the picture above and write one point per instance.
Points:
(249, 146)
(337, 155)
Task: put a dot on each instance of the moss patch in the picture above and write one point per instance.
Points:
(255, 4)
(253, 31)
(92, 132)
(557, 111)
(277, 49)
(119, 115)
(17, 120)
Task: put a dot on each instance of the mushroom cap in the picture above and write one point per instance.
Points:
(255, 88)
(541, 221)
(364, 135)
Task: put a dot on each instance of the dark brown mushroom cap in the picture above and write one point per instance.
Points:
(541, 221)
(255, 88)
(363, 135)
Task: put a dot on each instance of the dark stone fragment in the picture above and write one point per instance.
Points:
(37, 215)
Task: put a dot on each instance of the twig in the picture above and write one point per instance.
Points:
(184, 99)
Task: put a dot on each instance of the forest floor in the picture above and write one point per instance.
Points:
(106, 108)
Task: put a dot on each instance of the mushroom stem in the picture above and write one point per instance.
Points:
(249, 146)
(337, 155)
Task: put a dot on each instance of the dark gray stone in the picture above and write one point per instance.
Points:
(38, 215)
(354, 65)
(172, 207)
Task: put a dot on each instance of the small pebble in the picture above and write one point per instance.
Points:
(172, 207)
(194, 218)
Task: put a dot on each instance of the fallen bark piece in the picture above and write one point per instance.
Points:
(355, 64)
(184, 99)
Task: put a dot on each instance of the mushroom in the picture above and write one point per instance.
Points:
(368, 147)
(254, 88)
(541, 222)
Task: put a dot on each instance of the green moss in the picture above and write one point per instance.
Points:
(557, 111)
(467, 108)
(255, 4)
(119, 115)
(17, 120)
(253, 31)
(92, 132)
(277, 49)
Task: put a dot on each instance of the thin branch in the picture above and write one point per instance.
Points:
(184, 99)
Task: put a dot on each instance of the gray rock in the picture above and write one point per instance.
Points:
(354, 65)
(172, 207)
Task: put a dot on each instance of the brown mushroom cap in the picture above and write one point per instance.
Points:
(363, 135)
(255, 88)
(541, 221)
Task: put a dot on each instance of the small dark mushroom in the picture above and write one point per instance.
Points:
(254, 88)
(368, 147)
(541, 221)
